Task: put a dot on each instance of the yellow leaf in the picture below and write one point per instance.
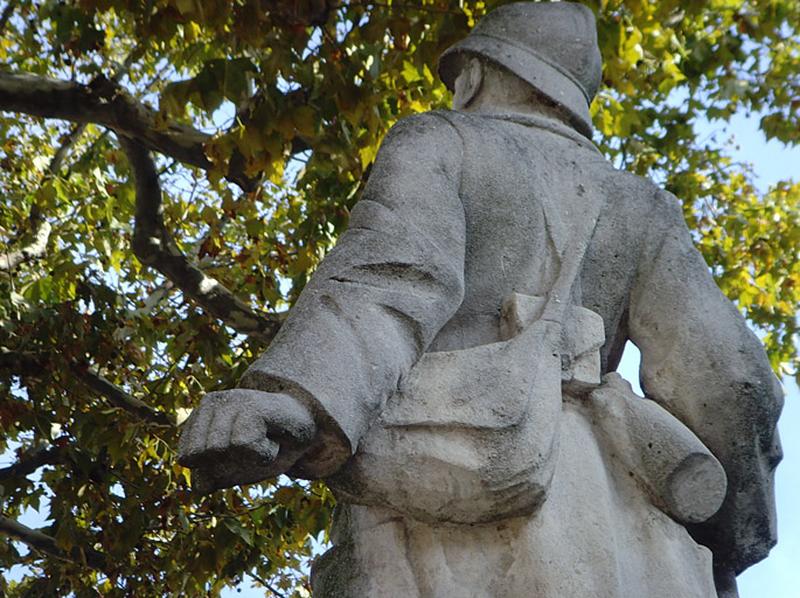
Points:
(191, 31)
(367, 155)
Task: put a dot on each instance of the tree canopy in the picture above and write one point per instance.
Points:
(173, 171)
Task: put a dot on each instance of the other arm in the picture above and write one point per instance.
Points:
(702, 363)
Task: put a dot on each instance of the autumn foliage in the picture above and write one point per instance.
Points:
(249, 127)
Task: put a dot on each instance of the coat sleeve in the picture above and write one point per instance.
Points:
(377, 300)
(703, 364)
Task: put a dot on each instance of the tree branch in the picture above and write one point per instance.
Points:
(27, 365)
(155, 247)
(42, 228)
(119, 398)
(47, 544)
(105, 103)
(35, 249)
(30, 463)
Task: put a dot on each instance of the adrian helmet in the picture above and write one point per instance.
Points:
(550, 45)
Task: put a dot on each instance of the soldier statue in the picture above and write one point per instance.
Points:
(449, 369)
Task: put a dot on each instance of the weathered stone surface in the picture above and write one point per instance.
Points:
(669, 462)
(470, 435)
(243, 436)
(596, 534)
(448, 368)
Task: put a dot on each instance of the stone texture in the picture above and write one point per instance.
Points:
(233, 439)
(469, 437)
(668, 461)
(449, 367)
(597, 534)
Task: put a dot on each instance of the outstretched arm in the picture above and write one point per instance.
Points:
(377, 300)
(703, 364)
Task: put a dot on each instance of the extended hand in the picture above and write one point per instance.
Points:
(242, 436)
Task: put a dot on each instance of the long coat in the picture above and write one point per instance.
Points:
(462, 210)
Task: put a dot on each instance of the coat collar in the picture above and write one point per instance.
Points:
(543, 122)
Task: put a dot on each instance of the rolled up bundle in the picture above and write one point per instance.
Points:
(678, 472)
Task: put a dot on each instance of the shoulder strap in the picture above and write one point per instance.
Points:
(570, 263)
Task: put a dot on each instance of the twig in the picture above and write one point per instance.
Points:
(119, 398)
(266, 584)
(31, 365)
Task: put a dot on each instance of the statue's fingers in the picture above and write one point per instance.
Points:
(221, 424)
(249, 433)
(249, 456)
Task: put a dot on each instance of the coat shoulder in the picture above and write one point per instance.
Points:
(654, 206)
(424, 127)
(421, 142)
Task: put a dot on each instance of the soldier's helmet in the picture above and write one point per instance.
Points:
(550, 45)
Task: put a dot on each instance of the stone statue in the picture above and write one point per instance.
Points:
(449, 369)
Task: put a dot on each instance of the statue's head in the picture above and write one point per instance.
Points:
(551, 47)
